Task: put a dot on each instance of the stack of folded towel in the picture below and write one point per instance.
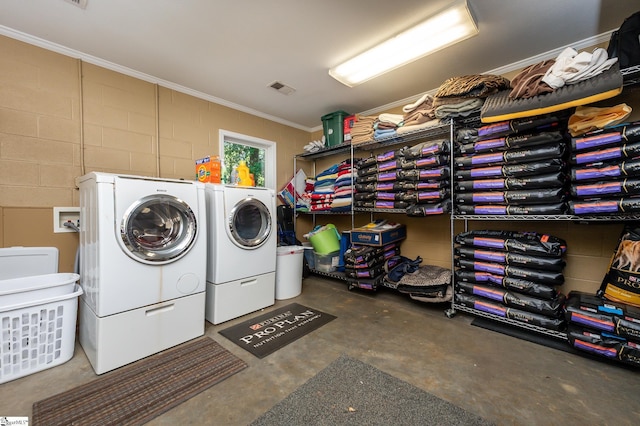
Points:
(418, 115)
(324, 189)
(343, 200)
(362, 130)
(386, 125)
(331, 190)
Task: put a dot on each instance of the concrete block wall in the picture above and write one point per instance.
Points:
(119, 123)
(39, 126)
(61, 118)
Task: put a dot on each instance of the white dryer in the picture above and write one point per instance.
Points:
(142, 266)
(242, 240)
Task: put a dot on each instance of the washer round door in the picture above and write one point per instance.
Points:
(158, 229)
(249, 223)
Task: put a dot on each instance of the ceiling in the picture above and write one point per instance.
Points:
(230, 51)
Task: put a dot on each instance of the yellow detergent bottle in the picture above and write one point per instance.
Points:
(244, 179)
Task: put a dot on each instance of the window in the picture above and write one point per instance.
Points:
(259, 155)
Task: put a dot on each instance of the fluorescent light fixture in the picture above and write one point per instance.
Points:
(441, 30)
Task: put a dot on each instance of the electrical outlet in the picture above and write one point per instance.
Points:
(65, 214)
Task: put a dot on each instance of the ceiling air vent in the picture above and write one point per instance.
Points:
(80, 3)
(282, 88)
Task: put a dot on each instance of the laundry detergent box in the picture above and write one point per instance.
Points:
(208, 169)
(378, 233)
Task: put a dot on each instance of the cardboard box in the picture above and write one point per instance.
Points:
(208, 169)
(378, 235)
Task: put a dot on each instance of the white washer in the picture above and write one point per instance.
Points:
(241, 250)
(142, 266)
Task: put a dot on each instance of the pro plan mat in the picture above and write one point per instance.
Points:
(267, 333)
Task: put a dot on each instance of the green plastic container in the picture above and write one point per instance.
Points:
(326, 241)
(333, 127)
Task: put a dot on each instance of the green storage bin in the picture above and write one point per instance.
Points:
(326, 241)
(333, 127)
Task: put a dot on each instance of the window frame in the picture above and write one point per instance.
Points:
(269, 147)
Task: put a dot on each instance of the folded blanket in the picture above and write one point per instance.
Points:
(348, 175)
(343, 192)
(586, 119)
(362, 130)
(341, 202)
(362, 139)
(364, 123)
(528, 83)
(424, 101)
(343, 183)
(331, 170)
(391, 118)
(315, 197)
(472, 86)
(418, 116)
(415, 127)
(386, 133)
(320, 207)
(463, 108)
(384, 125)
(341, 209)
(438, 102)
(324, 183)
(572, 67)
(326, 180)
(324, 189)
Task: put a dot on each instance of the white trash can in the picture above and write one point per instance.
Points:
(289, 271)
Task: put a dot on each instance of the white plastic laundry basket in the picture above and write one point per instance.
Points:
(16, 262)
(37, 287)
(39, 333)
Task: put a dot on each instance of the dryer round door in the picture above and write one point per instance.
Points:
(158, 229)
(249, 223)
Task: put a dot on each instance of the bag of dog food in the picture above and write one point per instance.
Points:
(428, 209)
(621, 283)
(520, 285)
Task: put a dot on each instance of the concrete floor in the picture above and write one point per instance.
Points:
(501, 378)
